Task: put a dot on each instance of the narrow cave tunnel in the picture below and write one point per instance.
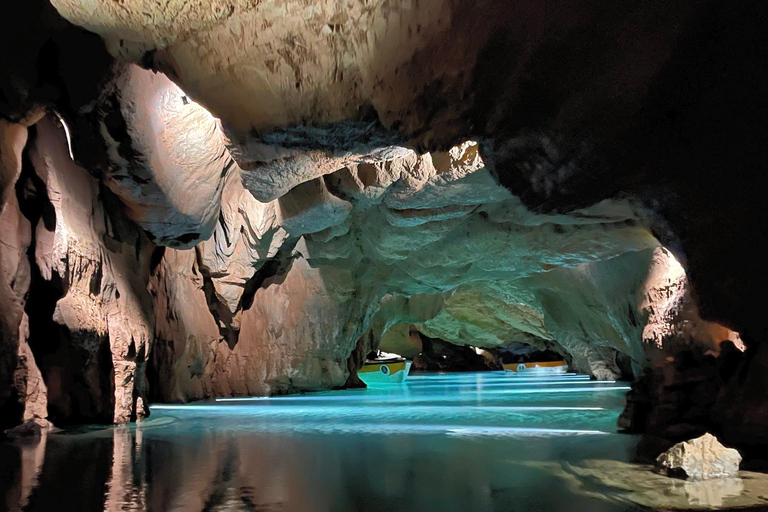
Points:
(351, 256)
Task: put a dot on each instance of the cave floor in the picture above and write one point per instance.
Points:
(450, 442)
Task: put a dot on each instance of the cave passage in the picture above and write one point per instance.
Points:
(451, 441)
(478, 441)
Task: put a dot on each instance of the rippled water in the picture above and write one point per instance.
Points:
(453, 442)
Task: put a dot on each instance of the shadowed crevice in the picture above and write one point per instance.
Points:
(271, 272)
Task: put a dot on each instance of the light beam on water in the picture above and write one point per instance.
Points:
(481, 404)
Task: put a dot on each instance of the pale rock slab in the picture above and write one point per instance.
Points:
(699, 459)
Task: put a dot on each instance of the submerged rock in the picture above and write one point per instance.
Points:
(30, 428)
(699, 459)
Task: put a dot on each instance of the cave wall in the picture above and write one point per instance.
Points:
(283, 294)
(440, 71)
(91, 268)
(638, 304)
(15, 234)
(293, 285)
(296, 333)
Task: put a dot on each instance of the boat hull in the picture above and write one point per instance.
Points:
(384, 373)
(543, 368)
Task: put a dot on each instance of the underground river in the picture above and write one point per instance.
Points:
(442, 442)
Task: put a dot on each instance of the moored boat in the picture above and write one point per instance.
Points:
(536, 368)
(384, 369)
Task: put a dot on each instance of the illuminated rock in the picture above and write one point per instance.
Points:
(163, 155)
(700, 459)
(90, 269)
(15, 234)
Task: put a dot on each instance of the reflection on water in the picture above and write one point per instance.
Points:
(469, 442)
(713, 492)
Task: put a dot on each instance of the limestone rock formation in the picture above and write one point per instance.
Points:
(282, 294)
(260, 66)
(403, 339)
(29, 382)
(297, 330)
(15, 237)
(565, 309)
(86, 301)
(322, 245)
(159, 151)
(699, 459)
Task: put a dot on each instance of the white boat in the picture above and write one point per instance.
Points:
(385, 369)
(538, 368)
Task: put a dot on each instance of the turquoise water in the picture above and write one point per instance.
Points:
(452, 442)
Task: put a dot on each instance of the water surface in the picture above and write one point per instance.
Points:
(450, 442)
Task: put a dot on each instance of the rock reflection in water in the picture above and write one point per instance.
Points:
(127, 484)
(712, 493)
(623, 482)
(25, 460)
(445, 443)
(226, 472)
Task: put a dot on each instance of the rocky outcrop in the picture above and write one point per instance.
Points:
(699, 459)
(690, 362)
(160, 152)
(15, 237)
(83, 334)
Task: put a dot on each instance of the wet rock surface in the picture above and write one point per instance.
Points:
(624, 483)
(702, 458)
